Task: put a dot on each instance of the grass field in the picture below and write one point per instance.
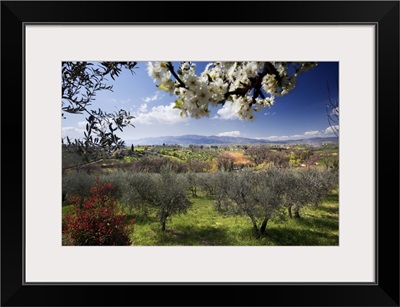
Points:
(202, 225)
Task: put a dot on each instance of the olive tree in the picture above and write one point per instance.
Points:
(77, 184)
(319, 183)
(169, 195)
(257, 196)
(208, 183)
(295, 193)
(81, 82)
(307, 187)
(268, 194)
(240, 190)
(132, 189)
(193, 180)
(222, 183)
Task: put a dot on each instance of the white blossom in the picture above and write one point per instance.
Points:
(236, 81)
(269, 84)
(251, 69)
(156, 70)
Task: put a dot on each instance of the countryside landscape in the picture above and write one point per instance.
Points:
(195, 172)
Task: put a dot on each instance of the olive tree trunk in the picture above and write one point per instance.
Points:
(297, 212)
(163, 220)
(253, 221)
(290, 211)
(263, 228)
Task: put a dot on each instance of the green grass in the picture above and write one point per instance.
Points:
(327, 151)
(139, 148)
(202, 225)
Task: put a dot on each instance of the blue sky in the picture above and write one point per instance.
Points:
(299, 114)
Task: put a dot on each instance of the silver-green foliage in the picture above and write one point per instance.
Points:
(169, 195)
(77, 184)
(307, 187)
(262, 195)
(129, 187)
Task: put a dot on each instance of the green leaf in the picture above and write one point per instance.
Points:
(163, 87)
(178, 104)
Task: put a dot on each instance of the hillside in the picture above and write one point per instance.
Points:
(185, 140)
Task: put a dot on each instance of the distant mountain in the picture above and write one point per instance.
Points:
(316, 140)
(185, 140)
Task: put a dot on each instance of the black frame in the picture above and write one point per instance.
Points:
(383, 14)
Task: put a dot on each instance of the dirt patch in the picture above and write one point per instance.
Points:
(239, 158)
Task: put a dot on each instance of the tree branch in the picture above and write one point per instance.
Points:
(171, 69)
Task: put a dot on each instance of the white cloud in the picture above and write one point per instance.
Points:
(330, 130)
(227, 112)
(143, 108)
(311, 133)
(123, 101)
(81, 124)
(297, 136)
(120, 101)
(308, 134)
(72, 132)
(276, 138)
(229, 133)
(155, 97)
(283, 137)
(160, 115)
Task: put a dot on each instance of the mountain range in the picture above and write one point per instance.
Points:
(185, 140)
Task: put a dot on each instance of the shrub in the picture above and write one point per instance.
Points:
(117, 178)
(96, 220)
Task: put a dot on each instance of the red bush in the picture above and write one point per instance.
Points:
(97, 220)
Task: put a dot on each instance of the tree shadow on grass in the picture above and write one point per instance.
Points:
(307, 230)
(301, 237)
(330, 210)
(192, 236)
(326, 223)
(332, 198)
